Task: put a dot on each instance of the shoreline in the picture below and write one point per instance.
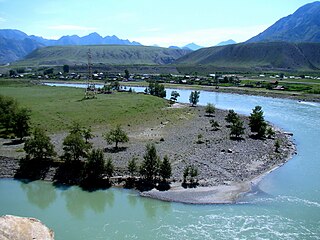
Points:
(221, 194)
(227, 168)
(232, 90)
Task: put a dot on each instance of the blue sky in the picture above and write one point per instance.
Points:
(162, 22)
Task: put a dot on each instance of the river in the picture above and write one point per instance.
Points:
(284, 205)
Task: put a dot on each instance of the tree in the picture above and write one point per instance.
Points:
(126, 74)
(190, 172)
(115, 86)
(95, 165)
(237, 129)
(66, 68)
(39, 146)
(165, 168)
(232, 117)
(150, 165)
(215, 125)
(132, 166)
(87, 134)
(109, 167)
(21, 123)
(256, 122)
(210, 109)
(194, 97)
(270, 132)
(174, 96)
(277, 145)
(156, 89)
(116, 135)
(8, 109)
(74, 147)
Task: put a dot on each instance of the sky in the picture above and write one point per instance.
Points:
(162, 22)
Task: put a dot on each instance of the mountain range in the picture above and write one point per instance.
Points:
(16, 44)
(266, 56)
(102, 55)
(292, 43)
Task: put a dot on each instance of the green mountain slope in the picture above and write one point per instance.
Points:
(102, 54)
(253, 56)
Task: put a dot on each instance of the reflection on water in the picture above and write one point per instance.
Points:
(78, 201)
(39, 193)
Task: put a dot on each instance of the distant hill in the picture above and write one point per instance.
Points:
(257, 56)
(102, 54)
(192, 46)
(228, 42)
(18, 49)
(301, 26)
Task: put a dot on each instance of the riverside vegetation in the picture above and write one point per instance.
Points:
(207, 154)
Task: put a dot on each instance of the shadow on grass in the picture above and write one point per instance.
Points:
(115, 150)
(13, 142)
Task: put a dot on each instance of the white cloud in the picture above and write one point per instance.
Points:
(72, 28)
(204, 37)
(2, 19)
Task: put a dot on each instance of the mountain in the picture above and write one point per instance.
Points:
(14, 47)
(192, 46)
(228, 42)
(102, 54)
(257, 56)
(301, 26)
(11, 50)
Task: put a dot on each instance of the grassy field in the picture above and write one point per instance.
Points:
(56, 108)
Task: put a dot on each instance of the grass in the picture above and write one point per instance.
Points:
(56, 108)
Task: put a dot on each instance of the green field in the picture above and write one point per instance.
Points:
(56, 108)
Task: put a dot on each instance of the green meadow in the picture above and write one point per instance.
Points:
(56, 108)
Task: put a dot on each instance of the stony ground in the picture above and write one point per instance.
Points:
(220, 160)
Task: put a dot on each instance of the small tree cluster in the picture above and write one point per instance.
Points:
(152, 167)
(194, 97)
(156, 89)
(236, 128)
(13, 118)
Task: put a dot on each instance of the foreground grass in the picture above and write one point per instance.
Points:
(56, 108)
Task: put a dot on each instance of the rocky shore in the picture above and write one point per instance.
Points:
(226, 167)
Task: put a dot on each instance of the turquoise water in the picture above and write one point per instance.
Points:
(285, 204)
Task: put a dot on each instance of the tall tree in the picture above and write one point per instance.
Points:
(126, 74)
(194, 97)
(8, 109)
(132, 166)
(75, 147)
(66, 68)
(95, 165)
(256, 122)
(237, 129)
(150, 165)
(232, 117)
(109, 167)
(165, 168)
(116, 135)
(21, 123)
(39, 146)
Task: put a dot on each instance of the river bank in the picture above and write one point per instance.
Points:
(227, 167)
(299, 96)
